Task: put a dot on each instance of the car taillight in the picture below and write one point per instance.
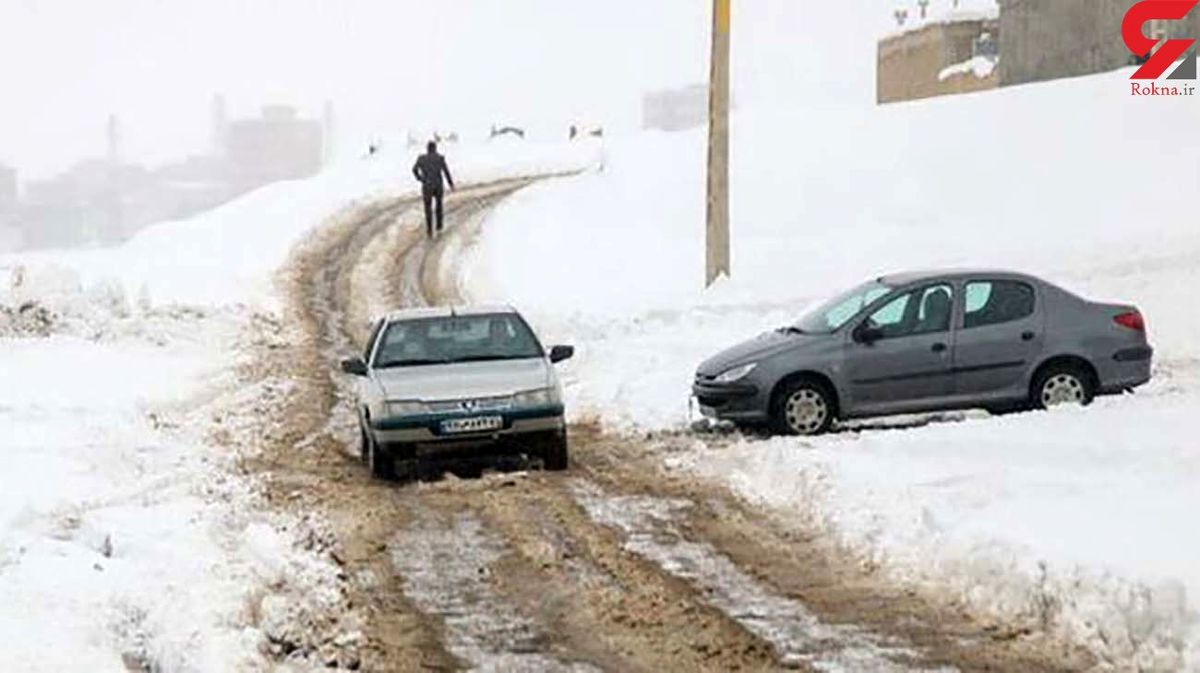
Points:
(1133, 320)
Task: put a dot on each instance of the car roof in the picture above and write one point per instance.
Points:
(447, 312)
(910, 277)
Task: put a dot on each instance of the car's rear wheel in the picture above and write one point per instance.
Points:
(803, 407)
(1063, 384)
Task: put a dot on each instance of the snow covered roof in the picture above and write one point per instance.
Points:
(944, 12)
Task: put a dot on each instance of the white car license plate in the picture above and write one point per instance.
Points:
(458, 426)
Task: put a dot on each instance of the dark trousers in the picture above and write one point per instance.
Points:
(432, 195)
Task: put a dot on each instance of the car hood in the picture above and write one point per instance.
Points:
(464, 380)
(758, 348)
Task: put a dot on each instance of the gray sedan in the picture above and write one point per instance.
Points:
(464, 385)
(928, 341)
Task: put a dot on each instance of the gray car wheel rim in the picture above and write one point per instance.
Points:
(1062, 389)
(806, 411)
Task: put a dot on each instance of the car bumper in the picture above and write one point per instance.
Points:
(427, 429)
(738, 402)
(1128, 369)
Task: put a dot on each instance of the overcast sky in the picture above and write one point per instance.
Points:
(388, 65)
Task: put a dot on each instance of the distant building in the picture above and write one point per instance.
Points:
(105, 201)
(8, 190)
(955, 53)
(277, 146)
(1050, 39)
(676, 109)
(10, 233)
(11, 238)
(93, 202)
(328, 125)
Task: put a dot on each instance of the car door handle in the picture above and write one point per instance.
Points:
(1028, 336)
(939, 348)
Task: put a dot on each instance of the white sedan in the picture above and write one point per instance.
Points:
(471, 384)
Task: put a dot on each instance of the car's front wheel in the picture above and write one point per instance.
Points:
(364, 444)
(380, 461)
(554, 453)
(803, 407)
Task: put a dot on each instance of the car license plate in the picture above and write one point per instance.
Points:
(460, 426)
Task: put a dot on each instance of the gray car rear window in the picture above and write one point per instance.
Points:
(994, 302)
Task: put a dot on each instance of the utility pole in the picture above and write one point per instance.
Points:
(717, 234)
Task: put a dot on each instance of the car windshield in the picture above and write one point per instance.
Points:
(447, 340)
(831, 315)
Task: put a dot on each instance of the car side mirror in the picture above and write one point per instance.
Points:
(867, 335)
(560, 353)
(354, 366)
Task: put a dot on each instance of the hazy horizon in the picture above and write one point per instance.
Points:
(386, 66)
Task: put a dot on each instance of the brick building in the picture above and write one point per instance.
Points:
(927, 60)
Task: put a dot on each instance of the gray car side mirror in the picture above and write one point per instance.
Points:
(354, 366)
(867, 335)
(560, 353)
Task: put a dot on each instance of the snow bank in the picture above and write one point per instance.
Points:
(1079, 523)
(124, 543)
(1076, 522)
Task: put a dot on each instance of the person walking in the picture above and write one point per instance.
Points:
(428, 170)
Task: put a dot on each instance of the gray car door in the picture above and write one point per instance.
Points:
(1001, 334)
(911, 362)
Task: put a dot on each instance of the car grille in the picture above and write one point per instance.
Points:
(471, 404)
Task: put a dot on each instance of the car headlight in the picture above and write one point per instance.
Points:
(736, 374)
(532, 398)
(407, 408)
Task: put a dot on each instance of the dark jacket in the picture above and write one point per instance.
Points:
(429, 170)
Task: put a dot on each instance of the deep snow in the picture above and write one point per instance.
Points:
(124, 541)
(1078, 522)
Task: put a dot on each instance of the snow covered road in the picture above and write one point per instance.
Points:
(561, 573)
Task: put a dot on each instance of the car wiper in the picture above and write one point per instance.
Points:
(410, 363)
(790, 329)
(493, 358)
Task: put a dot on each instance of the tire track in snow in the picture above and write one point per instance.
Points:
(649, 528)
(446, 565)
